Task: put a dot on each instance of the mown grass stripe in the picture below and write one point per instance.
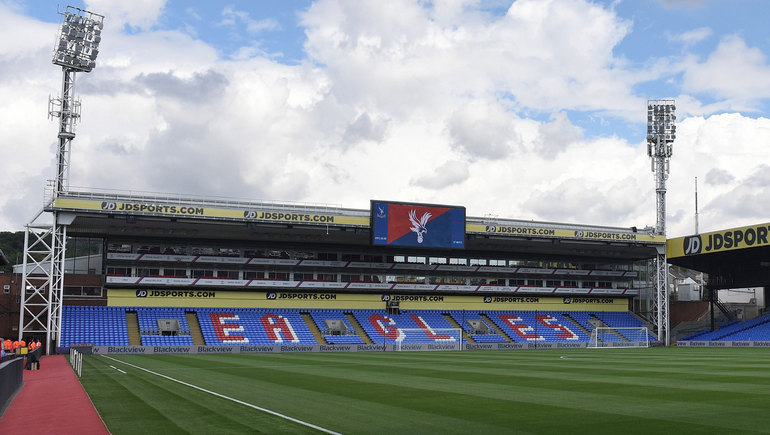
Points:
(214, 393)
(650, 390)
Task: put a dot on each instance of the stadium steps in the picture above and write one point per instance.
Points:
(311, 325)
(195, 328)
(576, 323)
(132, 324)
(498, 329)
(467, 337)
(359, 330)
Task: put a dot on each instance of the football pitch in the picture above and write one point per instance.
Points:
(656, 390)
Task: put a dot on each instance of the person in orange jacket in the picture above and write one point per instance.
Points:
(16, 346)
(31, 345)
(8, 345)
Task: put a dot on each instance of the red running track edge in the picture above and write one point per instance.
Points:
(51, 400)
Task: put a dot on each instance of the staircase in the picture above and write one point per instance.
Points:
(132, 323)
(576, 323)
(195, 328)
(467, 337)
(499, 330)
(313, 328)
(359, 330)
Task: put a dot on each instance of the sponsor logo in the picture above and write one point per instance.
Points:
(215, 349)
(692, 245)
(511, 345)
(154, 208)
(324, 348)
(591, 301)
(272, 295)
(171, 349)
(296, 348)
(479, 346)
(249, 214)
(293, 217)
(515, 299)
(370, 347)
(125, 349)
(566, 300)
(385, 298)
(521, 230)
(251, 349)
(141, 293)
(177, 294)
(313, 296)
(418, 298)
(487, 299)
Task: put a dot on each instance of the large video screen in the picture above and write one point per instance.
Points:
(417, 225)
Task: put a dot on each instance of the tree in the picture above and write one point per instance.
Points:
(12, 245)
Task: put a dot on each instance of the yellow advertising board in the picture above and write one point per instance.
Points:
(352, 301)
(544, 231)
(719, 241)
(179, 210)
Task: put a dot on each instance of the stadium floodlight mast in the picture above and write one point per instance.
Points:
(661, 133)
(76, 49)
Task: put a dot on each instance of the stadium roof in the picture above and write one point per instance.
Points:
(738, 257)
(132, 216)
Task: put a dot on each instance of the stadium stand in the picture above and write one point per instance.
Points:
(756, 329)
(107, 326)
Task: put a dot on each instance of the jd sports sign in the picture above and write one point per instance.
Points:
(738, 238)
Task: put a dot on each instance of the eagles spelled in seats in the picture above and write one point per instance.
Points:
(421, 323)
(278, 328)
(553, 323)
(386, 326)
(224, 326)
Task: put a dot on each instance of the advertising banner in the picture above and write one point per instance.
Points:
(183, 210)
(544, 231)
(719, 241)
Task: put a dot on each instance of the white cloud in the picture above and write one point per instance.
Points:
(399, 100)
(692, 37)
(734, 71)
(142, 14)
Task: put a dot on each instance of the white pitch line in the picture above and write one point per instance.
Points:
(121, 371)
(258, 408)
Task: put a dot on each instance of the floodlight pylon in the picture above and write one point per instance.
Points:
(76, 49)
(661, 133)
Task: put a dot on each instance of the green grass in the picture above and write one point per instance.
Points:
(660, 390)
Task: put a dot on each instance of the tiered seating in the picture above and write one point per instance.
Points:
(462, 318)
(385, 328)
(167, 340)
(100, 326)
(538, 327)
(756, 329)
(320, 317)
(236, 326)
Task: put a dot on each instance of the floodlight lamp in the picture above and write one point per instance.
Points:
(78, 40)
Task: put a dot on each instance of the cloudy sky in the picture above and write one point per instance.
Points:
(526, 109)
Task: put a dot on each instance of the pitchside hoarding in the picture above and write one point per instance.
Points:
(417, 225)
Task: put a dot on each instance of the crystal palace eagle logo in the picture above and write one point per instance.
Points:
(419, 226)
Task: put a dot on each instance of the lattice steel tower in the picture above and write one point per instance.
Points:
(77, 47)
(661, 133)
